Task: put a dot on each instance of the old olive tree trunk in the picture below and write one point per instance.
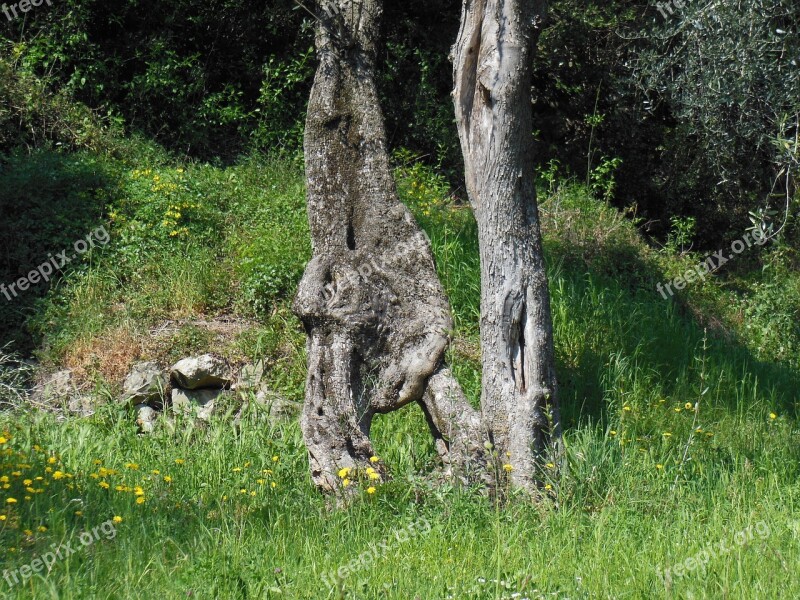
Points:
(375, 313)
(493, 77)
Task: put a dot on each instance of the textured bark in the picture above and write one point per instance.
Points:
(493, 74)
(376, 316)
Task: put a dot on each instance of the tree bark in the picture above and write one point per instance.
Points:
(375, 313)
(492, 96)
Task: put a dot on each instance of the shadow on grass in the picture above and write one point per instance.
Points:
(615, 332)
(48, 201)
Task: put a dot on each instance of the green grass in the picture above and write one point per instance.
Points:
(641, 380)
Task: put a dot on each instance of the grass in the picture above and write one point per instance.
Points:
(681, 424)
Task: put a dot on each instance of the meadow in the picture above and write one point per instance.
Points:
(680, 415)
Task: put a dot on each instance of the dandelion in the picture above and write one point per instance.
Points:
(688, 406)
(140, 500)
(11, 500)
(167, 479)
(58, 475)
(179, 461)
(343, 473)
(550, 466)
(117, 519)
(370, 490)
(508, 468)
(52, 460)
(612, 433)
(2, 517)
(627, 408)
(132, 466)
(659, 466)
(42, 528)
(27, 481)
(104, 485)
(374, 476)
(548, 487)
(156, 472)
(27, 532)
(345, 482)
(667, 434)
(275, 458)
(273, 485)
(373, 459)
(678, 409)
(3, 440)
(773, 416)
(78, 513)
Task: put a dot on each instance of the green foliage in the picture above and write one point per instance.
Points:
(727, 75)
(601, 178)
(681, 234)
(285, 84)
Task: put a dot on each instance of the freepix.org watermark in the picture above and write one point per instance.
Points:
(666, 7)
(55, 263)
(46, 561)
(719, 549)
(23, 6)
(713, 262)
(367, 559)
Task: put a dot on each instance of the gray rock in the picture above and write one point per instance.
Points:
(59, 386)
(146, 418)
(84, 406)
(250, 376)
(206, 371)
(146, 384)
(202, 404)
(279, 407)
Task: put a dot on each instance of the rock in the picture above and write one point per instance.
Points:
(206, 371)
(59, 386)
(250, 376)
(202, 404)
(146, 418)
(279, 407)
(83, 406)
(145, 384)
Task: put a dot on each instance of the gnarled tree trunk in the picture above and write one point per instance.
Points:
(493, 73)
(374, 310)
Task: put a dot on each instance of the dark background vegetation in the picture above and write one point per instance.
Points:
(685, 123)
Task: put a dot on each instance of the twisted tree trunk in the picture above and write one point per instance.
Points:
(493, 75)
(376, 316)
